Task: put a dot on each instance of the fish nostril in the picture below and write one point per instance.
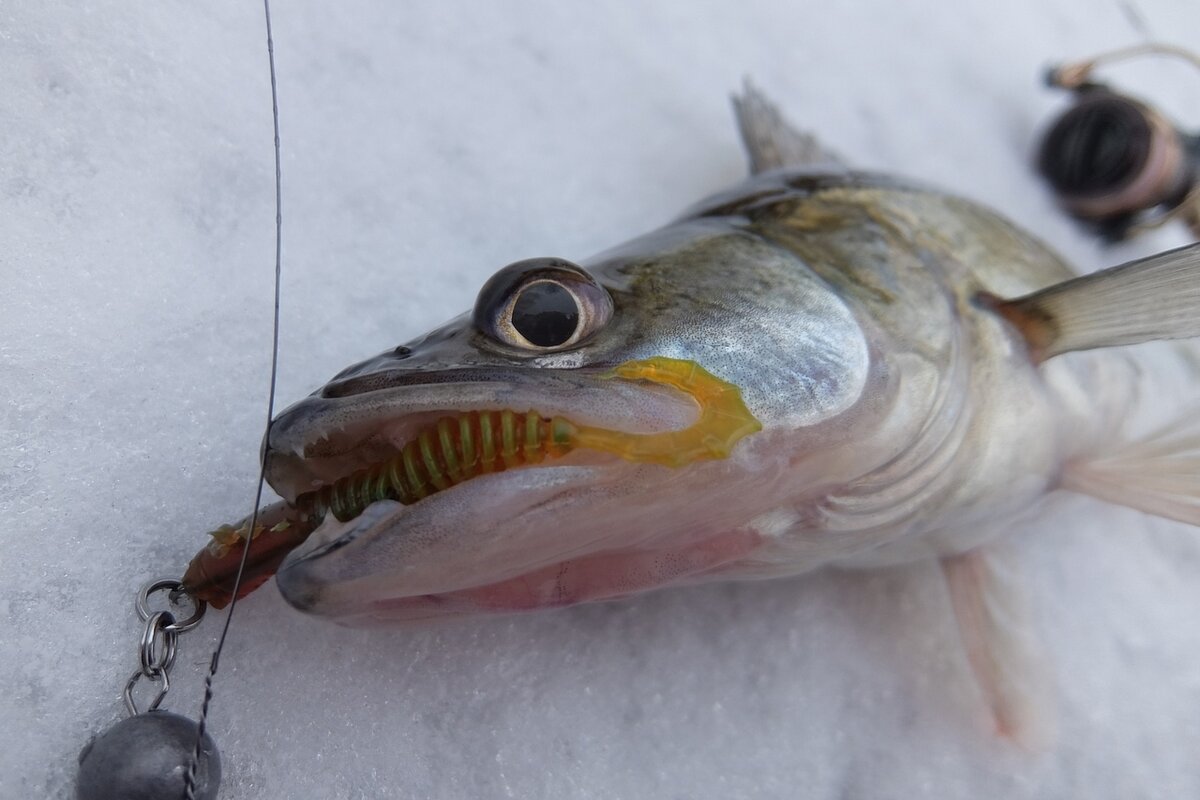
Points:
(402, 352)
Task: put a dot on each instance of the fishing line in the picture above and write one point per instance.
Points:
(190, 778)
(157, 753)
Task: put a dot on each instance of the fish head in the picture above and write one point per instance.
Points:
(639, 344)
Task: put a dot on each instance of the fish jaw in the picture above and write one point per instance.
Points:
(521, 541)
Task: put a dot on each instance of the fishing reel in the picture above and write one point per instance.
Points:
(1117, 163)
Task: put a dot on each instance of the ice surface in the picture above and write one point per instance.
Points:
(424, 147)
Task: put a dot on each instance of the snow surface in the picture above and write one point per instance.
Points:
(426, 145)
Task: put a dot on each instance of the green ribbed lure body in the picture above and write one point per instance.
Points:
(450, 451)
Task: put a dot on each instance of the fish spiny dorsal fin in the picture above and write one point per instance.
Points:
(770, 141)
(1141, 301)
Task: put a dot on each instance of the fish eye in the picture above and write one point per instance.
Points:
(542, 304)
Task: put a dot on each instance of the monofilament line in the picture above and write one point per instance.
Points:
(189, 787)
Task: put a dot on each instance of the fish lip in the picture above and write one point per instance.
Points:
(364, 419)
(311, 583)
(418, 566)
(400, 377)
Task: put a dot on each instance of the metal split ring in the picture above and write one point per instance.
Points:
(160, 638)
(156, 654)
(176, 591)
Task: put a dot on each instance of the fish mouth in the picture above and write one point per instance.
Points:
(451, 461)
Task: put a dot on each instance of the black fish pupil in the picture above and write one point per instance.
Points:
(546, 314)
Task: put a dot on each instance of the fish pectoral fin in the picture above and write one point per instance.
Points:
(1001, 648)
(1140, 301)
(771, 142)
(1159, 474)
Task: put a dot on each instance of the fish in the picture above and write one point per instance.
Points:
(817, 367)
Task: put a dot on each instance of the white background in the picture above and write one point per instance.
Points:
(423, 149)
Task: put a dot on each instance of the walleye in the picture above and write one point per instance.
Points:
(815, 367)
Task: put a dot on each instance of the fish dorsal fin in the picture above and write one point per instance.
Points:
(1140, 301)
(771, 142)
